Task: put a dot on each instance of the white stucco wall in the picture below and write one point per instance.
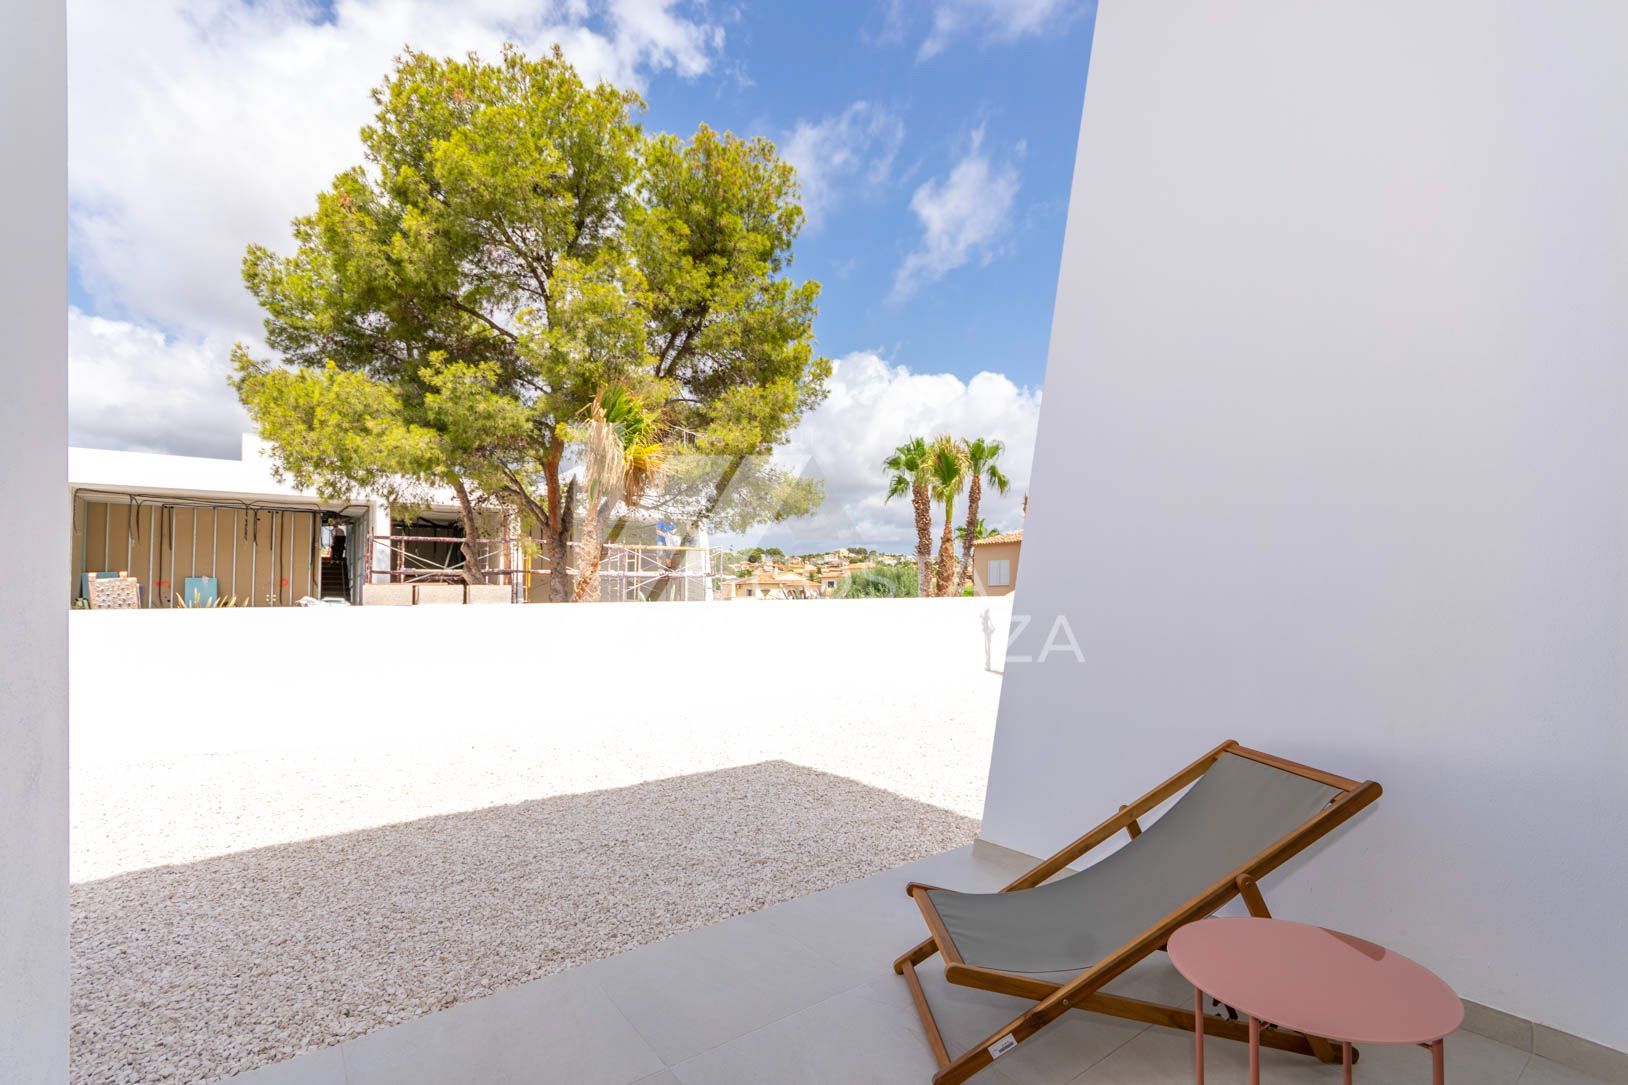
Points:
(1334, 461)
(308, 677)
(34, 552)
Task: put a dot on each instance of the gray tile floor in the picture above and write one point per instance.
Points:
(804, 993)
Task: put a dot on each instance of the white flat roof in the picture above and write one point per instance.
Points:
(248, 478)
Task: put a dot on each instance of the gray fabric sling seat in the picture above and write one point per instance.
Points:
(1231, 814)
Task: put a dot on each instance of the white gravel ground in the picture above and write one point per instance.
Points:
(234, 907)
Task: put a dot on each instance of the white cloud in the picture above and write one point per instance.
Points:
(994, 20)
(962, 216)
(197, 126)
(651, 34)
(873, 407)
(860, 142)
(131, 387)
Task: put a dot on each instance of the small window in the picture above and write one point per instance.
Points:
(1000, 572)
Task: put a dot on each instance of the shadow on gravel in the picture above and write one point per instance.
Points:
(193, 972)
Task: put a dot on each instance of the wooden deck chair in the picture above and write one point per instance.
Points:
(1060, 942)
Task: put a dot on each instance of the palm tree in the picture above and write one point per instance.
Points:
(947, 469)
(909, 466)
(982, 457)
(982, 531)
(622, 454)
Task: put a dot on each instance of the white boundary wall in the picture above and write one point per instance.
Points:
(158, 684)
(34, 553)
(1334, 461)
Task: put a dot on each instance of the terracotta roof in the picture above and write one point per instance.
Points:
(1003, 537)
(773, 580)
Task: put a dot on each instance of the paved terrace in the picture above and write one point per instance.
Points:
(801, 993)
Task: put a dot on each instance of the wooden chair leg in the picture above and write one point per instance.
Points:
(992, 1047)
(935, 1039)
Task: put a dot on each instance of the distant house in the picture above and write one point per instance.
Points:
(995, 563)
(768, 583)
(832, 576)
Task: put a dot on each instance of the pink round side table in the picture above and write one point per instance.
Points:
(1319, 982)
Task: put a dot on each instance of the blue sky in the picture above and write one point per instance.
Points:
(935, 140)
(814, 60)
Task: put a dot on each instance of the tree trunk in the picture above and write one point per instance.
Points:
(975, 492)
(946, 551)
(922, 502)
(591, 550)
(471, 540)
(586, 588)
(557, 532)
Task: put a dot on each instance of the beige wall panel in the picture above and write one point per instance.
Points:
(163, 583)
(223, 543)
(76, 545)
(243, 586)
(180, 554)
(307, 547)
(290, 536)
(254, 557)
(142, 555)
(95, 535)
(117, 553)
(268, 569)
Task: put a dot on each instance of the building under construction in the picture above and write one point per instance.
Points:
(153, 530)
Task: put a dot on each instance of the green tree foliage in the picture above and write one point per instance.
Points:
(513, 249)
(882, 582)
(981, 530)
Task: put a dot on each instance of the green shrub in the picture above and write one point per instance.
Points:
(883, 582)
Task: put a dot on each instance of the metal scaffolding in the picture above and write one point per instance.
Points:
(627, 572)
(433, 559)
(631, 573)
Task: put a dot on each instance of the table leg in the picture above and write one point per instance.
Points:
(1198, 1036)
(1255, 1051)
(1438, 1063)
(1345, 1063)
